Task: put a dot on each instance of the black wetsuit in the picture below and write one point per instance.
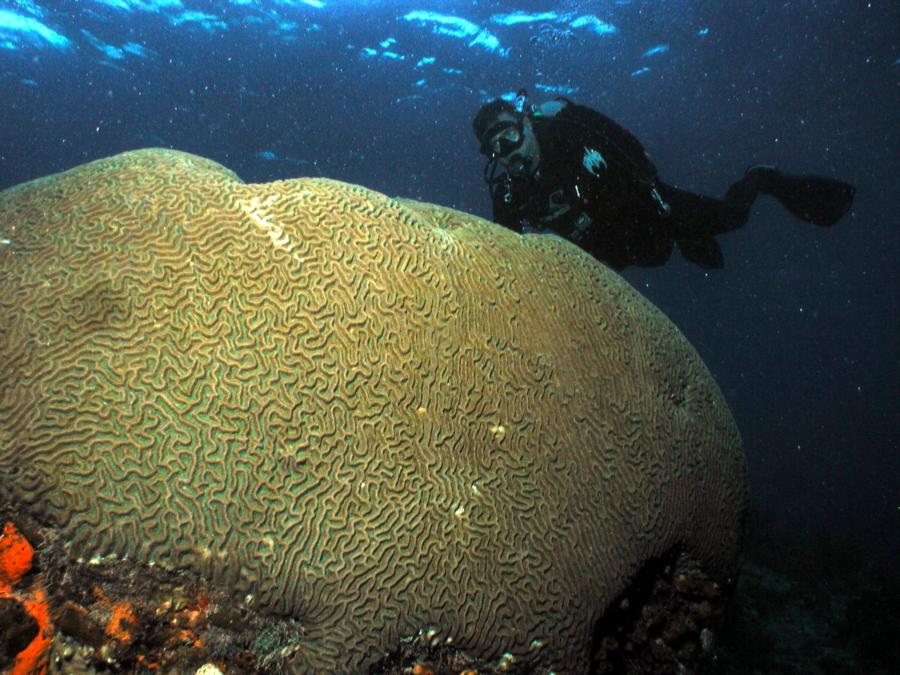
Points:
(596, 186)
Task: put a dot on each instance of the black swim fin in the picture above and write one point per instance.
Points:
(703, 252)
(815, 199)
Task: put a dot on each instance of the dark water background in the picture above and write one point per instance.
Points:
(801, 329)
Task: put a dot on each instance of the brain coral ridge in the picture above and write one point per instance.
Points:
(376, 415)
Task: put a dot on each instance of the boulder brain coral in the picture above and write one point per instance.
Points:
(378, 416)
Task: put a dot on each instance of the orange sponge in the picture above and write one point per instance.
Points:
(15, 557)
(15, 562)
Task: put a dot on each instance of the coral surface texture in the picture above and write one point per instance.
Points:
(377, 416)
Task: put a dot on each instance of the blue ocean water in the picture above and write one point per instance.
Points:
(800, 329)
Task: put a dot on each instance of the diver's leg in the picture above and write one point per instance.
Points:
(696, 220)
(814, 199)
(698, 217)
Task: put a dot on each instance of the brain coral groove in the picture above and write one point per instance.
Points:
(377, 415)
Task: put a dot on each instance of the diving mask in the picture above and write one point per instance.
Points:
(502, 139)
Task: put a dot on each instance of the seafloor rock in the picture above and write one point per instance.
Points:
(384, 418)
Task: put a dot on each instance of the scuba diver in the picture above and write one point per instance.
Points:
(566, 168)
